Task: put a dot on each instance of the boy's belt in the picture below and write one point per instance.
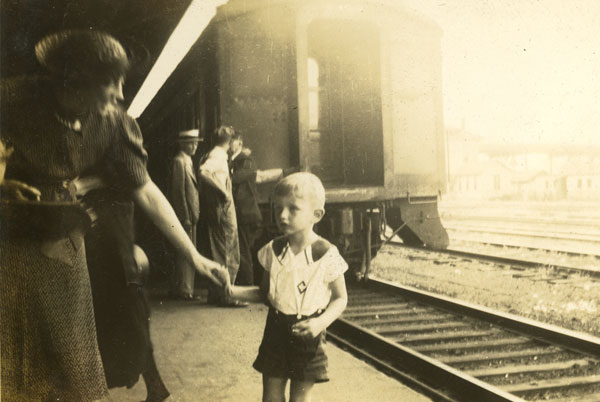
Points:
(295, 316)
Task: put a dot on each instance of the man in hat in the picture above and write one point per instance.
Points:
(184, 198)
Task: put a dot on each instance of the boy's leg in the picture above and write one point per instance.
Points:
(273, 389)
(300, 391)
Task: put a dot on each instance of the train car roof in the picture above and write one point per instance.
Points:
(143, 26)
(236, 7)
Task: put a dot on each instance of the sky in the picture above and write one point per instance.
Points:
(520, 71)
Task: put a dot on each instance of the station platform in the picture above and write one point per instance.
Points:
(205, 353)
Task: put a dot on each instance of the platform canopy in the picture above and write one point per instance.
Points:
(143, 26)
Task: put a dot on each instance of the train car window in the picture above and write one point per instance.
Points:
(313, 97)
(344, 94)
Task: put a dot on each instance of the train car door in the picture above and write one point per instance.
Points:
(344, 93)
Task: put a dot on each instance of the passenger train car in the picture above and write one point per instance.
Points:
(348, 90)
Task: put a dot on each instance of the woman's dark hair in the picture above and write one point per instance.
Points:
(82, 57)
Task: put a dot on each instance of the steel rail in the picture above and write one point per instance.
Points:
(572, 250)
(569, 253)
(538, 220)
(382, 364)
(456, 384)
(539, 234)
(565, 338)
(505, 260)
(524, 263)
(431, 373)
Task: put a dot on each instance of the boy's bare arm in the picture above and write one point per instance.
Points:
(253, 294)
(250, 294)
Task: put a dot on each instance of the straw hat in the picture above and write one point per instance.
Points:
(189, 135)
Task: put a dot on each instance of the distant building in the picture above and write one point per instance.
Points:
(483, 180)
(536, 186)
(483, 170)
(463, 149)
(580, 178)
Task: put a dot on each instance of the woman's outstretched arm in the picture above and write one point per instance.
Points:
(151, 200)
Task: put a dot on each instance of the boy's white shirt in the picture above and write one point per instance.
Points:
(289, 274)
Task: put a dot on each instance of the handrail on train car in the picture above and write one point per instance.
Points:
(428, 201)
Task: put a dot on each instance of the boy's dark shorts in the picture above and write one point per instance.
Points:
(284, 355)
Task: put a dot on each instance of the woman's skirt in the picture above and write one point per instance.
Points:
(122, 311)
(49, 346)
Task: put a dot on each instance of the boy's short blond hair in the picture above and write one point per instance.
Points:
(302, 185)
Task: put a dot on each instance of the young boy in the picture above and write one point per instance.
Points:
(305, 289)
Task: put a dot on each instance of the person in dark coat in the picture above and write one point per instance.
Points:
(185, 202)
(245, 197)
(61, 126)
(118, 271)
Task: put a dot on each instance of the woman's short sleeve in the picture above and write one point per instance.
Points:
(126, 161)
(334, 265)
(265, 256)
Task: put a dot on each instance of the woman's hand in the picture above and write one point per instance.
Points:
(152, 201)
(214, 271)
(87, 183)
(222, 274)
(17, 190)
(14, 189)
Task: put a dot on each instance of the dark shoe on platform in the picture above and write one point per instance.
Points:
(214, 300)
(190, 298)
(158, 398)
(184, 297)
(233, 303)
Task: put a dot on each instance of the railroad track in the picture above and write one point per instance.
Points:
(583, 224)
(506, 260)
(541, 233)
(570, 239)
(456, 351)
(516, 246)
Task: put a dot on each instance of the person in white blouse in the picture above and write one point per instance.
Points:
(218, 213)
(305, 288)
